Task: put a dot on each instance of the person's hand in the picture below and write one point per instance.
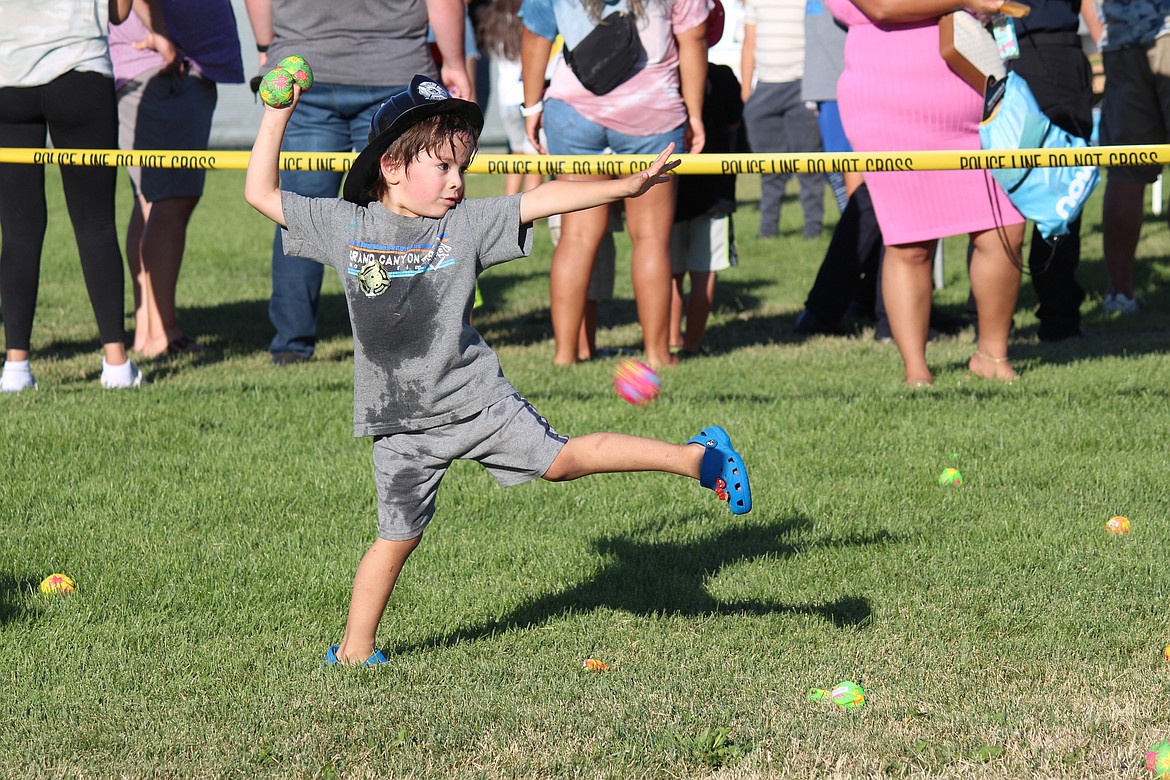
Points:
(285, 111)
(532, 125)
(659, 172)
(454, 78)
(696, 135)
(165, 47)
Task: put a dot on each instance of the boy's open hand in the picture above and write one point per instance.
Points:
(659, 172)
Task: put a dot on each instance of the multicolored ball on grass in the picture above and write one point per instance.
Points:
(299, 68)
(1158, 759)
(276, 88)
(594, 665)
(636, 382)
(950, 478)
(1117, 525)
(1166, 653)
(847, 695)
(58, 584)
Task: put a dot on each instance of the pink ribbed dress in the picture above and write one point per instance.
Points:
(897, 94)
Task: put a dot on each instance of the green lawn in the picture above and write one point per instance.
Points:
(213, 520)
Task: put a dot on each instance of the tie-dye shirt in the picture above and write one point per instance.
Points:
(1133, 22)
(48, 38)
(649, 101)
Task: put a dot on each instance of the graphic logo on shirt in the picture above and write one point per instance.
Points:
(373, 280)
(375, 265)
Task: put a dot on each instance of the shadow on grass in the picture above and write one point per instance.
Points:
(13, 605)
(668, 578)
(233, 327)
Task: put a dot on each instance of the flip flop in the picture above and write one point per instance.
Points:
(723, 469)
(331, 659)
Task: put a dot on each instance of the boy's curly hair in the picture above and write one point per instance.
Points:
(432, 135)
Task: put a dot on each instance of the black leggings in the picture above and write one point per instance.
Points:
(79, 110)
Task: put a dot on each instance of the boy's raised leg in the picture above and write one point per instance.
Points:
(708, 457)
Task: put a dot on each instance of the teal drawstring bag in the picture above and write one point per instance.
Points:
(1050, 197)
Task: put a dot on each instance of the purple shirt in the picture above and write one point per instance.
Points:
(205, 34)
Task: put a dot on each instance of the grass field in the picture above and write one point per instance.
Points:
(213, 520)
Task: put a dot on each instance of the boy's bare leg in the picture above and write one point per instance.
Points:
(602, 453)
(372, 586)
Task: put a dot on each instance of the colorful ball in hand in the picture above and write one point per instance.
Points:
(276, 88)
(636, 382)
(950, 478)
(55, 584)
(301, 72)
(1117, 525)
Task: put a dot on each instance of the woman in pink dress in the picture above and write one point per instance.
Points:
(898, 94)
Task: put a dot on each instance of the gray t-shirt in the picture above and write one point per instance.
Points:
(376, 43)
(410, 285)
(824, 53)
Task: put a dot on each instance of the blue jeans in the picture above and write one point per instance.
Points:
(328, 118)
(570, 133)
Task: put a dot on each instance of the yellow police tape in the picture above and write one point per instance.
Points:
(624, 165)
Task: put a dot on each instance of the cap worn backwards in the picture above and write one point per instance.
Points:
(424, 98)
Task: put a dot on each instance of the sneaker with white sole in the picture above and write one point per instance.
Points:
(120, 376)
(1120, 303)
(15, 382)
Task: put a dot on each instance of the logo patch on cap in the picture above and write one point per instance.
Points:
(429, 90)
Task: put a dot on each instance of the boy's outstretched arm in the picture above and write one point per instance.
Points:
(262, 183)
(562, 197)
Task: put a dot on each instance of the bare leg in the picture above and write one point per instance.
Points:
(677, 304)
(907, 288)
(699, 308)
(587, 339)
(605, 453)
(138, 278)
(648, 221)
(372, 585)
(1122, 213)
(164, 239)
(995, 282)
(572, 263)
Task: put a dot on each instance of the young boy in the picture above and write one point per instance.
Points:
(427, 388)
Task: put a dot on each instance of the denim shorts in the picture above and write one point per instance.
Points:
(570, 133)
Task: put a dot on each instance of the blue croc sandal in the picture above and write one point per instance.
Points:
(331, 659)
(723, 469)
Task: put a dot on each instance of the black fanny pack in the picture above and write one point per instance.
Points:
(607, 55)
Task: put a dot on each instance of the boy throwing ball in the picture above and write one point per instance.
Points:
(427, 389)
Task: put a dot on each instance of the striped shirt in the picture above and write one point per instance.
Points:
(779, 39)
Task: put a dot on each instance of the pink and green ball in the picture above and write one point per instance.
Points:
(300, 70)
(636, 382)
(1158, 759)
(276, 88)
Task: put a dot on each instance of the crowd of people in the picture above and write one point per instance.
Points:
(709, 76)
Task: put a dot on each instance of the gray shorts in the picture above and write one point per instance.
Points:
(509, 438)
(172, 111)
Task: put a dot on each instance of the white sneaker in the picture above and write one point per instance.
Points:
(118, 377)
(12, 382)
(1120, 303)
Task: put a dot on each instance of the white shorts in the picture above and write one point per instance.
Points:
(702, 244)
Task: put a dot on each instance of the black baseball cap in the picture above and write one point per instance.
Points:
(425, 98)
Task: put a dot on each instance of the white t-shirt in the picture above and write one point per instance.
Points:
(45, 39)
(779, 39)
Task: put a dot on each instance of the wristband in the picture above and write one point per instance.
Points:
(532, 110)
(262, 49)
